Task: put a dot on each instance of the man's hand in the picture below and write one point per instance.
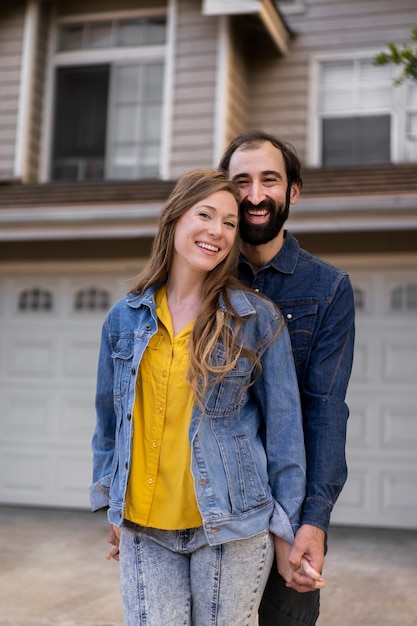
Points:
(300, 564)
(113, 538)
(307, 555)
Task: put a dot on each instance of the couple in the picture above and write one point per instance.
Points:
(199, 451)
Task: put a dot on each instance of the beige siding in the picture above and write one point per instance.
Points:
(237, 96)
(11, 41)
(194, 94)
(279, 89)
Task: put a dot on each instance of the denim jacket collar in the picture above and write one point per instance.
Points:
(238, 299)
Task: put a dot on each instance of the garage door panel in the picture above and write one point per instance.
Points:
(399, 360)
(21, 413)
(376, 421)
(80, 355)
(378, 498)
(74, 478)
(362, 369)
(32, 354)
(24, 475)
(399, 428)
(360, 432)
(356, 503)
(76, 416)
(397, 483)
(49, 478)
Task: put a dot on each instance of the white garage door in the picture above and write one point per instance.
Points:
(50, 328)
(49, 334)
(382, 431)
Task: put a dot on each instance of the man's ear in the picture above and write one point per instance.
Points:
(295, 193)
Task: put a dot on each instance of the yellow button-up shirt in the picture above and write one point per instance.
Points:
(160, 491)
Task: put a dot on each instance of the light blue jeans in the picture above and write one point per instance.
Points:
(174, 578)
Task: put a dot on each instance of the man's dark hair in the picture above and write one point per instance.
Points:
(252, 139)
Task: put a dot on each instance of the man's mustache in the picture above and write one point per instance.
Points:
(265, 204)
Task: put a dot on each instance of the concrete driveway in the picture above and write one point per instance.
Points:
(53, 573)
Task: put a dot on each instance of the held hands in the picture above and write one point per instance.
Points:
(113, 538)
(301, 563)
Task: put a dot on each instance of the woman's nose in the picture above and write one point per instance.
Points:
(215, 228)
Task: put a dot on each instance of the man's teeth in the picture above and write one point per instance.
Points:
(258, 212)
(208, 246)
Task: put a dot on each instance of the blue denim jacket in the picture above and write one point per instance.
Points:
(242, 485)
(316, 299)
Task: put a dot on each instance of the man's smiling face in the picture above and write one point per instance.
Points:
(263, 186)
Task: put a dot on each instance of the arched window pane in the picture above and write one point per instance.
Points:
(91, 299)
(35, 299)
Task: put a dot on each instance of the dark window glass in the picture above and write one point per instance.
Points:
(356, 140)
(80, 122)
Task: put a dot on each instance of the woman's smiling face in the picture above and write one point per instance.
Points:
(205, 234)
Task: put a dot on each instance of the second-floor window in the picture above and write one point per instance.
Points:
(362, 117)
(108, 86)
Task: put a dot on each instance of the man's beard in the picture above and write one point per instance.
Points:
(258, 234)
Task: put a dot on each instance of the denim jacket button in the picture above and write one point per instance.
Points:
(289, 316)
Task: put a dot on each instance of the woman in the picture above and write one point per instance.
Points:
(198, 446)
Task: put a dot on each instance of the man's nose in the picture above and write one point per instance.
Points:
(256, 193)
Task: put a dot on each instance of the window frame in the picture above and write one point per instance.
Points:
(114, 55)
(397, 112)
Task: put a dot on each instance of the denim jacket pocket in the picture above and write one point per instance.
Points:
(253, 491)
(122, 359)
(227, 396)
(301, 319)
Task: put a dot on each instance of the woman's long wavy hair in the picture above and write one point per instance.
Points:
(212, 324)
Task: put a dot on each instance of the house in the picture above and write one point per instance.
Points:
(103, 105)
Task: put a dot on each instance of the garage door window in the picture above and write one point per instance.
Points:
(91, 299)
(35, 299)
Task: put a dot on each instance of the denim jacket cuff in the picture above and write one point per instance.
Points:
(99, 497)
(316, 512)
(280, 524)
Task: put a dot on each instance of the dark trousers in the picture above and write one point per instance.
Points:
(282, 606)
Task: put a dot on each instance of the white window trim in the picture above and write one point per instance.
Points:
(223, 61)
(27, 73)
(313, 136)
(87, 57)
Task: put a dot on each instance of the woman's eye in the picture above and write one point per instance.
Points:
(203, 214)
(230, 224)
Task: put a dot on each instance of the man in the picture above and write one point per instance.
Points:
(316, 298)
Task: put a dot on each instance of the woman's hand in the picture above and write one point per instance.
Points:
(113, 538)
